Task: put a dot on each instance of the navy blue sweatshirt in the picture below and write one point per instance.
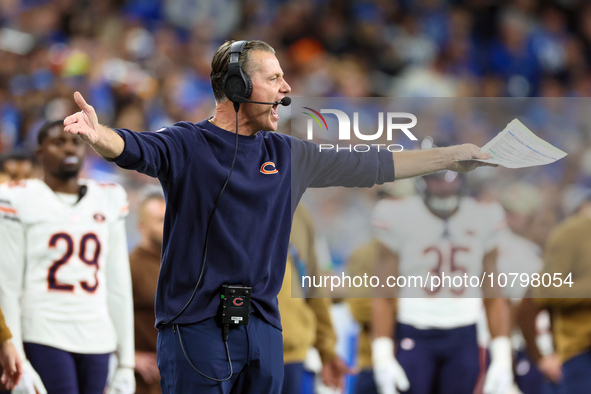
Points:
(249, 234)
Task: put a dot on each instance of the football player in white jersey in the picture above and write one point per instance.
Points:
(439, 233)
(65, 285)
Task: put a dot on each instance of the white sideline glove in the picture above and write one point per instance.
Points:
(313, 362)
(388, 374)
(123, 382)
(499, 376)
(30, 382)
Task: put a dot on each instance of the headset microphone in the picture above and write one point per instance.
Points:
(285, 101)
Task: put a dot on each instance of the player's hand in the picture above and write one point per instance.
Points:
(551, 367)
(123, 382)
(388, 373)
(30, 383)
(146, 365)
(499, 376)
(12, 365)
(333, 373)
(462, 158)
(84, 123)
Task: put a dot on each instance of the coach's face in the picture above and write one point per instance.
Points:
(268, 85)
(61, 153)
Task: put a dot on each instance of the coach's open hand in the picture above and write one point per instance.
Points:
(103, 140)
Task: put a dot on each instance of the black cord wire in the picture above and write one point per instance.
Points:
(204, 259)
(195, 368)
(176, 327)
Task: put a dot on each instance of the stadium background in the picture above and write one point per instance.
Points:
(144, 64)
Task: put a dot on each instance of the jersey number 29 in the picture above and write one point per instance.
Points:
(52, 282)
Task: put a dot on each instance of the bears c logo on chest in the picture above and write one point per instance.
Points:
(268, 167)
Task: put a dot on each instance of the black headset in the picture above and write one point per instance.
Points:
(236, 81)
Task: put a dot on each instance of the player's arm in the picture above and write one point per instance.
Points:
(383, 319)
(526, 319)
(498, 308)
(12, 272)
(105, 141)
(120, 304)
(413, 163)
(388, 373)
(12, 268)
(386, 264)
(120, 300)
(499, 376)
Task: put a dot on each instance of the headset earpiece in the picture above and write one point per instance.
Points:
(236, 81)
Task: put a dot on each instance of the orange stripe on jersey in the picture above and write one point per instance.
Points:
(125, 209)
(21, 183)
(8, 210)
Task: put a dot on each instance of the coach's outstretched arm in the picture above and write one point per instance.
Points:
(408, 164)
(105, 141)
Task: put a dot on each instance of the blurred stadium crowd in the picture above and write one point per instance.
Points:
(146, 63)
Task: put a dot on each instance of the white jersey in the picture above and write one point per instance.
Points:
(65, 268)
(428, 246)
(517, 255)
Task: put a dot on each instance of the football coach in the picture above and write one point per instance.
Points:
(230, 196)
